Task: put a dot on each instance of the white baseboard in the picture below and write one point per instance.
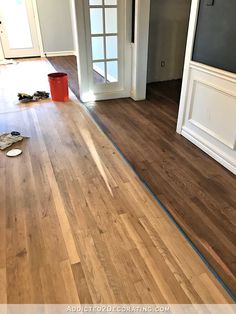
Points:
(209, 149)
(59, 53)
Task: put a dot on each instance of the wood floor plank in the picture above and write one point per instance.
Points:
(59, 205)
(3, 286)
(81, 284)
(199, 193)
(78, 226)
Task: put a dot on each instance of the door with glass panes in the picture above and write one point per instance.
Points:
(18, 29)
(108, 48)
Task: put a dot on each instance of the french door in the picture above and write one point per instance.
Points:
(108, 49)
(18, 29)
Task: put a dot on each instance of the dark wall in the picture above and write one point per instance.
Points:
(215, 42)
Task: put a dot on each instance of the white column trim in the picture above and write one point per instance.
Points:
(1, 51)
(140, 50)
(188, 58)
(38, 29)
(79, 30)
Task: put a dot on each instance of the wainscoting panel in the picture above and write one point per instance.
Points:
(210, 116)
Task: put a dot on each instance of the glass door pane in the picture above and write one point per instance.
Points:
(104, 40)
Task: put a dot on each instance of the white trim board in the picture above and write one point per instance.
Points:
(38, 28)
(59, 53)
(140, 50)
(208, 149)
(1, 51)
(188, 57)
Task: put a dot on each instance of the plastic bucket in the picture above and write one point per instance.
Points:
(59, 86)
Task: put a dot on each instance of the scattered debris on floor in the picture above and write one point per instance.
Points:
(14, 152)
(23, 97)
(8, 139)
(7, 61)
(15, 133)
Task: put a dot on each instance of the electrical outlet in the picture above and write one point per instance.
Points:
(210, 3)
(163, 64)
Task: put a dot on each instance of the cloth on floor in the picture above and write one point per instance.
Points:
(7, 139)
(23, 97)
(5, 61)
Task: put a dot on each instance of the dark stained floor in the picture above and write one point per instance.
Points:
(198, 192)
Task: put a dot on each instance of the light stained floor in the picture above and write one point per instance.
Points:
(76, 224)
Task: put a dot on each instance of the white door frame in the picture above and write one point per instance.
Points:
(140, 53)
(140, 50)
(38, 30)
(188, 57)
(1, 51)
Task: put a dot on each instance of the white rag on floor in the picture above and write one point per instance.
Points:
(6, 140)
(5, 61)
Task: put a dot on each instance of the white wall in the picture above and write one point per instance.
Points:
(55, 25)
(167, 38)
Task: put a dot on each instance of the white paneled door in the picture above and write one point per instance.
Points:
(106, 49)
(18, 29)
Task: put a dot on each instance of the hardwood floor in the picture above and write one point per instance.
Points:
(170, 90)
(76, 223)
(198, 192)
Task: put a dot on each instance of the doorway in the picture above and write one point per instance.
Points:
(103, 35)
(18, 29)
(168, 31)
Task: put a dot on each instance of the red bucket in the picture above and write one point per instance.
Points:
(59, 86)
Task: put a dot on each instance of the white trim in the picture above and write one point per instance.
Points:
(74, 25)
(229, 76)
(140, 50)
(1, 51)
(213, 134)
(210, 149)
(78, 26)
(59, 53)
(90, 97)
(190, 119)
(38, 28)
(188, 58)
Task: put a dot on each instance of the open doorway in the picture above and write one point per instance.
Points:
(168, 31)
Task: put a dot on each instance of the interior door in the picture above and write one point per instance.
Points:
(18, 29)
(108, 54)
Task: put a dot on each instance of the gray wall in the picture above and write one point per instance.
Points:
(167, 38)
(216, 30)
(55, 24)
